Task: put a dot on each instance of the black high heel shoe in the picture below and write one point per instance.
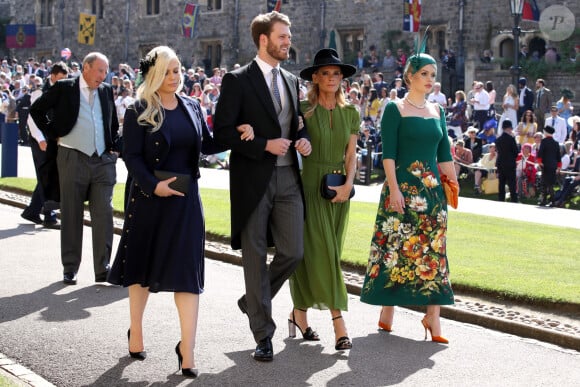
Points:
(308, 334)
(187, 372)
(343, 343)
(136, 355)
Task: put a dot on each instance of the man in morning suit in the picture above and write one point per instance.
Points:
(45, 197)
(549, 160)
(267, 204)
(543, 103)
(79, 113)
(507, 152)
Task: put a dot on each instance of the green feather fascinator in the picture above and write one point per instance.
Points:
(419, 58)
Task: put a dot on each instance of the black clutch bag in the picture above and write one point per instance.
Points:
(181, 184)
(332, 180)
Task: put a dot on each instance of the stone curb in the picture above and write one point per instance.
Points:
(454, 313)
(16, 372)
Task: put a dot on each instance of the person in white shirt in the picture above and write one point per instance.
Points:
(122, 103)
(438, 96)
(480, 103)
(559, 124)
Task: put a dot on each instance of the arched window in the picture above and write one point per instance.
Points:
(537, 44)
(506, 49)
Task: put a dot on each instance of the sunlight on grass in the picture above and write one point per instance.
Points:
(504, 256)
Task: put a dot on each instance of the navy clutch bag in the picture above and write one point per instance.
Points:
(181, 184)
(332, 180)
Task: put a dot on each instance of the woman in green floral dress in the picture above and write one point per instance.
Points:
(408, 260)
(333, 127)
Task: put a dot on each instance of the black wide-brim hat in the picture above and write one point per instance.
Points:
(327, 57)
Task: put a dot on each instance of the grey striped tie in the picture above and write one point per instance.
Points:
(274, 87)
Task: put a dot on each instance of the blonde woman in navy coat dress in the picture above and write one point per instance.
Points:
(162, 246)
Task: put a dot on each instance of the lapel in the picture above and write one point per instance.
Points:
(102, 93)
(188, 104)
(75, 96)
(292, 93)
(258, 81)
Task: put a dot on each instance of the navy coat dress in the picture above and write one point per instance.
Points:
(162, 246)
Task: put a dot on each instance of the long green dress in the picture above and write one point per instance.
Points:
(318, 280)
(408, 258)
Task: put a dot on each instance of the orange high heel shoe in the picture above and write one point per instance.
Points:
(437, 339)
(384, 326)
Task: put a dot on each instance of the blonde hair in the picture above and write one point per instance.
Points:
(312, 97)
(147, 90)
(511, 91)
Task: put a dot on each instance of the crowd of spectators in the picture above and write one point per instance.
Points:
(473, 123)
(474, 126)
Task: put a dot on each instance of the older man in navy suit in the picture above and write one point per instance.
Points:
(265, 185)
(79, 113)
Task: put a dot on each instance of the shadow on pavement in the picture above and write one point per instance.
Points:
(23, 228)
(382, 359)
(68, 306)
(114, 377)
(376, 360)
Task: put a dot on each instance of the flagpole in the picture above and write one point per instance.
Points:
(127, 31)
(236, 37)
(61, 6)
(460, 64)
(322, 23)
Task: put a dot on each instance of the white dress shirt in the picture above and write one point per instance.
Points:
(267, 71)
(559, 124)
(481, 100)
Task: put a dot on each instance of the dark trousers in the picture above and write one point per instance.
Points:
(83, 178)
(37, 199)
(281, 211)
(507, 176)
(569, 184)
(23, 135)
(480, 116)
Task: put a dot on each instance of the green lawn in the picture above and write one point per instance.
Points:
(505, 257)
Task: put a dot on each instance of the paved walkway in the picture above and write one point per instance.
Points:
(213, 179)
(76, 335)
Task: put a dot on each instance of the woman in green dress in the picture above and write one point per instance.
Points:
(333, 127)
(408, 260)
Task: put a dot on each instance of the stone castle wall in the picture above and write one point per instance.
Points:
(127, 42)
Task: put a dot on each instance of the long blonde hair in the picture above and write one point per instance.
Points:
(160, 57)
(511, 91)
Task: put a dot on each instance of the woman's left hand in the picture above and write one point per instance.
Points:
(247, 132)
(342, 193)
(303, 146)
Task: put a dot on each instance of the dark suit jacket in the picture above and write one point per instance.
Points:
(507, 152)
(550, 157)
(145, 151)
(56, 111)
(245, 99)
(477, 148)
(528, 99)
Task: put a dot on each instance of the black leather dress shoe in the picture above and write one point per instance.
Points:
(70, 278)
(264, 350)
(52, 224)
(31, 218)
